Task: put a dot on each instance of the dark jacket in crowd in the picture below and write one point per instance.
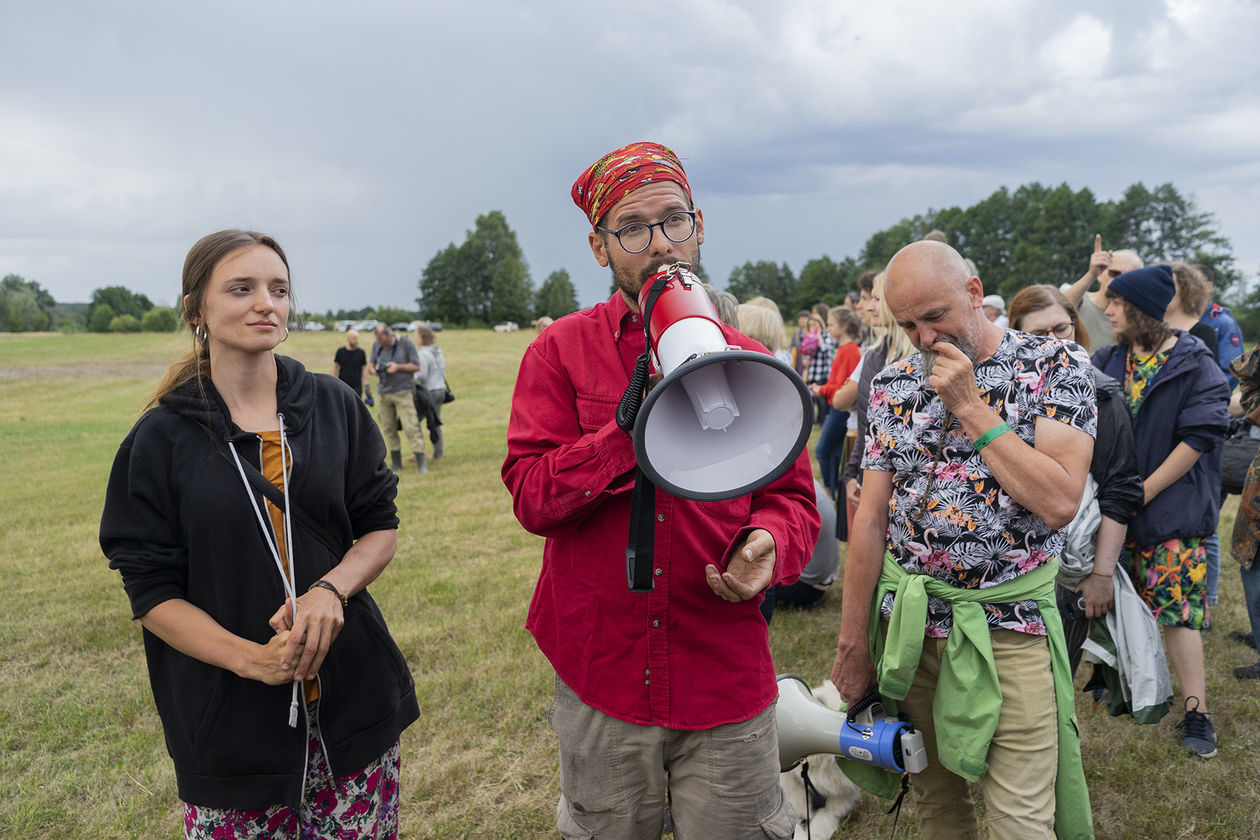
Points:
(178, 523)
(1186, 402)
(1114, 465)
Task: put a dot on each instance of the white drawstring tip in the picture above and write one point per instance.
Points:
(293, 710)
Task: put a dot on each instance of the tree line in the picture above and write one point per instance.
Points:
(1033, 234)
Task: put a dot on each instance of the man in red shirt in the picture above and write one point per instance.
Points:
(668, 692)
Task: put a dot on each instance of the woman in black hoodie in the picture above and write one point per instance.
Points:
(247, 511)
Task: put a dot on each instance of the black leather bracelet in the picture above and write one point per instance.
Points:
(323, 584)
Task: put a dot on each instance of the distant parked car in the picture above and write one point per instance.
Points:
(436, 326)
(366, 326)
(506, 327)
(315, 326)
(401, 326)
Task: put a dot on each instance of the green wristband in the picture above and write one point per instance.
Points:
(991, 435)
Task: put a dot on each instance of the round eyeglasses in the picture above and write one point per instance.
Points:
(1058, 330)
(637, 236)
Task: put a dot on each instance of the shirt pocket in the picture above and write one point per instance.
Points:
(737, 510)
(595, 411)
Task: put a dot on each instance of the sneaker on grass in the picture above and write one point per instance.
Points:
(1248, 672)
(1199, 737)
(1246, 638)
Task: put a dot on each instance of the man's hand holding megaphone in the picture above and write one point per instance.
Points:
(749, 569)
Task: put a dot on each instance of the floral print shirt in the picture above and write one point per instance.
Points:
(948, 517)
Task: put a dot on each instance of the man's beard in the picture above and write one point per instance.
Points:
(928, 358)
(631, 282)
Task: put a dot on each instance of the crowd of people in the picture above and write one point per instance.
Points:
(993, 480)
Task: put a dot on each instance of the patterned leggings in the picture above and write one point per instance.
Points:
(363, 806)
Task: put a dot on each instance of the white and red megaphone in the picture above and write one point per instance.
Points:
(723, 421)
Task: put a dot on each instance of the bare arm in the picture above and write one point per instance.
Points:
(1178, 463)
(852, 672)
(319, 612)
(193, 632)
(1099, 594)
(845, 399)
(1048, 478)
(1099, 262)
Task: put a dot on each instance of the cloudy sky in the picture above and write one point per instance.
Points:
(367, 136)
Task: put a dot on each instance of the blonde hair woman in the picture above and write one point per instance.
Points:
(889, 343)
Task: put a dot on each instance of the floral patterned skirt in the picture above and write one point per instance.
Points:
(1171, 578)
(363, 806)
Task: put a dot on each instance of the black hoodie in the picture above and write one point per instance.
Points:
(178, 523)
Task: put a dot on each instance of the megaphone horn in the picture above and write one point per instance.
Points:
(723, 421)
(861, 734)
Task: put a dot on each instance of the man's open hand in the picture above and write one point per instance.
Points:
(749, 569)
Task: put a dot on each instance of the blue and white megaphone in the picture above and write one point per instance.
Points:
(863, 733)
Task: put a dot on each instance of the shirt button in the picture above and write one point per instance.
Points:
(659, 572)
(647, 672)
(656, 623)
(647, 682)
(660, 517)
(588, 492)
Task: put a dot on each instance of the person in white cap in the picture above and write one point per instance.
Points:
(995, 310)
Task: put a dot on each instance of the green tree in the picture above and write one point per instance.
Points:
(458, 284)
(442, 287)
(822, 280)
(44, 302)
(20, 310)
(766, 279)
(1040, 234)
(556, 296)
(125, 324)
(1162, 225)
(122, 300)
(392, 315)
(102, 315)
(348, 315)
(511, 293)
(159, 319)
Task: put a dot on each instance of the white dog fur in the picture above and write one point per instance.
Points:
(839, 795)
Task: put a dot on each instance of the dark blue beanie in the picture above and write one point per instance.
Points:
(1150, 289)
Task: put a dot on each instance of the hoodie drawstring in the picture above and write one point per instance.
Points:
(287, 580)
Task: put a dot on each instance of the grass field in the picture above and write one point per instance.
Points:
(81, 752)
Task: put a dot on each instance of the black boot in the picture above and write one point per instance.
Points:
(437, 444)
(421, 463)
(396, 457)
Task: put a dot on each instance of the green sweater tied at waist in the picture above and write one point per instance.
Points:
(968, 695)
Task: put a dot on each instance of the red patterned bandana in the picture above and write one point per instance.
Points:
(610, 178)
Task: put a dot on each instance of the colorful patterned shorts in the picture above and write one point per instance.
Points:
(1171, 578)
(363, 806)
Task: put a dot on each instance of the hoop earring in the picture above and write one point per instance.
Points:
(286, 335)
(200, 333)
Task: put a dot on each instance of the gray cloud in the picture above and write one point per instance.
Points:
(369, 137)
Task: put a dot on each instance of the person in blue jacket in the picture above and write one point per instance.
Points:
(1178, 398)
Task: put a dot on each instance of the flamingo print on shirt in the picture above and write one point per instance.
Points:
(948, 517)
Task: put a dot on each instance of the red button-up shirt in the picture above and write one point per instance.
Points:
(679, 656)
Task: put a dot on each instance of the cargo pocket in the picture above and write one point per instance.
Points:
(782, 823)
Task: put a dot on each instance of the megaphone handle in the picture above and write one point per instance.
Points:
(863, 704)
